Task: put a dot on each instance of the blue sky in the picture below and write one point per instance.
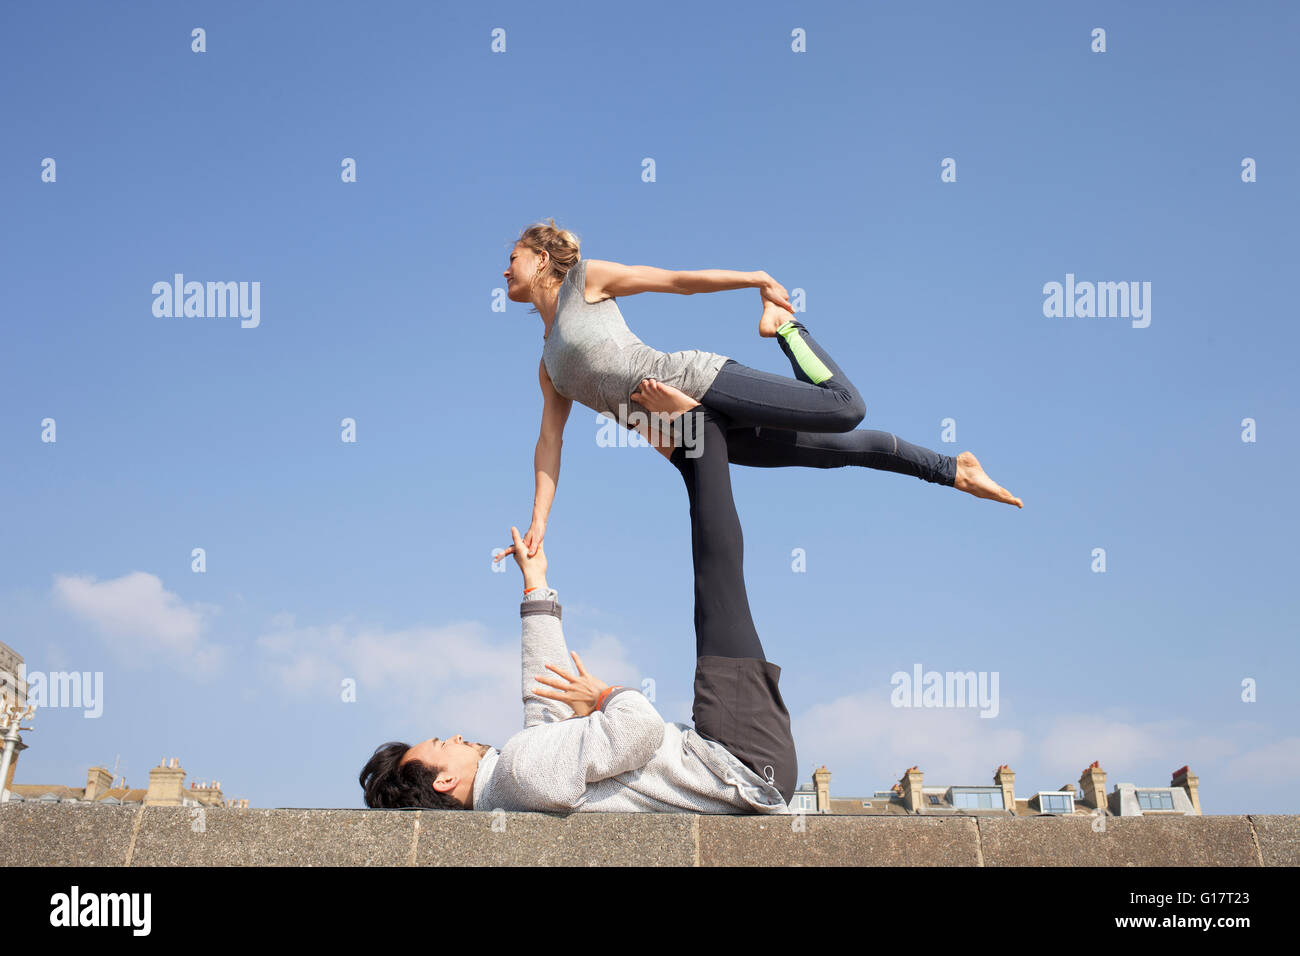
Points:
(371, 560)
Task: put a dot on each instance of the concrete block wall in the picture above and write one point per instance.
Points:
(66, 835)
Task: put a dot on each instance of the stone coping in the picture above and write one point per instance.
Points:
(68, 835)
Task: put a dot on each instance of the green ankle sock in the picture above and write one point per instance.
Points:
(812, 366)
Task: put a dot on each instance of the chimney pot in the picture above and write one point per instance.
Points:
(1092, 786)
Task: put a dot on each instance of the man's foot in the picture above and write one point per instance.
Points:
(663, 399)
(772, 319)
(972, 480)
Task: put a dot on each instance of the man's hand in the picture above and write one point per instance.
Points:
(530, 544)
(582, 693)
(534, 568)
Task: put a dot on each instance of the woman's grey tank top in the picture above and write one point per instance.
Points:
(592, 356)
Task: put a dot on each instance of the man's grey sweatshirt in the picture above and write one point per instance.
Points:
(623, 757)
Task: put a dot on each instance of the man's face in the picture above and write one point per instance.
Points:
(455, 760)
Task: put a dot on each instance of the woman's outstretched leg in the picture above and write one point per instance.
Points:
(761, 447)
(885, 451)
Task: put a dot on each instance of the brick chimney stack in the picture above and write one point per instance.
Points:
(97, 781)
(1005, 778)
(166, 785)
(911, 784)
(208, 794)
(1092, 786)
(1188, 781)
(822, 783)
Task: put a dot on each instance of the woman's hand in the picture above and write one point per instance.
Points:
(772, 291)
(528, 546)
(582, 693)
(533, 539)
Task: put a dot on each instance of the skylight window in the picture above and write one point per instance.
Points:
(1155, 799)
(973, 799)
(1056, 802)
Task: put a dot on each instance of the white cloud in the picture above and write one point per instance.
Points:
(1273, 764)
(143, 618)
(1072, 741)
(867, 744)
(950, 744)
(436, 680)
(606, 658)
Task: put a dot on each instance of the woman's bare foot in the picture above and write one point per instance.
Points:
(772, 319)
(664, 402)
(972, 480)
(663, 399)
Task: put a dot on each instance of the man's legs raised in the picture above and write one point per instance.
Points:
(724, 626)
(738, 701)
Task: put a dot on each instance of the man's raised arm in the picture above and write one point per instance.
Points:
(542, 640)
(543, 643)
(621, 730)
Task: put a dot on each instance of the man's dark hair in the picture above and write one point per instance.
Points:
(392, 785)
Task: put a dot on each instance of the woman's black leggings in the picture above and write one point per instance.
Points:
(776, 422)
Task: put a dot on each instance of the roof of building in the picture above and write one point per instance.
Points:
(41, 791)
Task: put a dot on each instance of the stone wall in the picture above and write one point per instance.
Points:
(65, 835)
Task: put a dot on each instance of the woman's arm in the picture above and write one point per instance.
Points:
(546, 457)
(718, 280)
(615, 279)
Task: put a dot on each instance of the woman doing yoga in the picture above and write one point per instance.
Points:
(589, 355)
